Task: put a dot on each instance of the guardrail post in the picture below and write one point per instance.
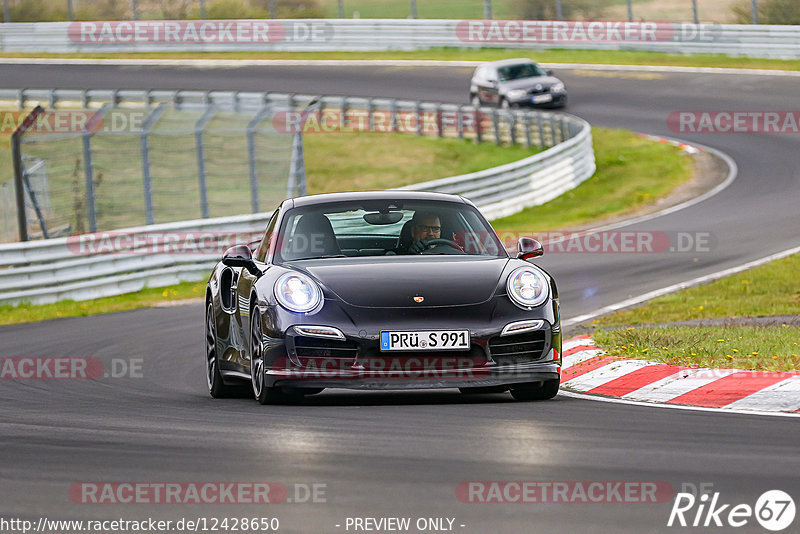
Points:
(370, 114)
(528, 136)
(512, 127)
(540, 124)
(564, 129)
(393, 115)
(88, 167)
(498, 138)
(21, 98)
(478, 126)
(439, 121)
(251, 155)
(343, 110)
(418, 114)
(201, 160)
(148, 185)
(16, 152)
(552, 130)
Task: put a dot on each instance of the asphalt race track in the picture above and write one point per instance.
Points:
(404, 454)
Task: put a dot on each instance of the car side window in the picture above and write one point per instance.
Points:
(269, 235)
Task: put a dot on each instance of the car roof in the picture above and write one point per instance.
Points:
(394, 194)
(507, 62)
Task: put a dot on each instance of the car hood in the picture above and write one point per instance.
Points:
(528, 83)
(394, 282)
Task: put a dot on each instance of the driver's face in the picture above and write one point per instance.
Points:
(426, 229)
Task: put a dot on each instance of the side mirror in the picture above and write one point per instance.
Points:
(492, 82)
(240, 256)
(549, 72)
(528, 248)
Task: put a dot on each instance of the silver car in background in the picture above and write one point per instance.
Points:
(513, 83)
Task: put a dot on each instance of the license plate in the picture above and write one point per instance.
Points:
(541, 99)
(425, 340)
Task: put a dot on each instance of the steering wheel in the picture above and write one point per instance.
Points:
(442, 241)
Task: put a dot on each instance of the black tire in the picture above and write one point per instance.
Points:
(216, 387)
(504, 104)
(262, 393)
(483, 390)
(535, 390)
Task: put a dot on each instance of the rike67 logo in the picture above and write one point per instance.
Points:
(774, 510)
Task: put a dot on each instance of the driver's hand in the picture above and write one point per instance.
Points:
(418, 247)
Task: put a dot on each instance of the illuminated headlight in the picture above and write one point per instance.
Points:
(557, 88)
(298, 293)
(516, 94)
(527, 287)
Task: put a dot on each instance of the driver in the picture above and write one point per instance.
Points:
(425, 226)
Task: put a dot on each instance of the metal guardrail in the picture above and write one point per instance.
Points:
(54, 269)
(774, 41)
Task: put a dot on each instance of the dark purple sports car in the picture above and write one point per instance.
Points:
(381, 290)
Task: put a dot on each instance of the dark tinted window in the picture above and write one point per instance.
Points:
(517, 72)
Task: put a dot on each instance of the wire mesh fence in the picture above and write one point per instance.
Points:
(138, 166)
(719, 11)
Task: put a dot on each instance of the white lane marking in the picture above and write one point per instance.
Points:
(605, 374)
(784, 396)
(234, 63)
(613, 400)
(572, 343)
(675, 385)
(574, 359)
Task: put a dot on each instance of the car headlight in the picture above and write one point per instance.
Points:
(527, 287)
(298, 293)
(516, 94)
(557, 88)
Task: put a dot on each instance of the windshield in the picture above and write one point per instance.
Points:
(384, 229)
(516, 72)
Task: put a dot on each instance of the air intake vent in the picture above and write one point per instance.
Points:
(522, 347)
(311, 347)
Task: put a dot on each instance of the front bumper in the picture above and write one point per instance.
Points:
(557, 100)
(359, 378)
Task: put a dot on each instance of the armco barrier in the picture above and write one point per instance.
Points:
(55, 269)
(405, 34)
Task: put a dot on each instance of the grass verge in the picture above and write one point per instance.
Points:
(632, 171)
(758, 348)
(769, 289)
(27, 313)
(629, 162)
(613, 57)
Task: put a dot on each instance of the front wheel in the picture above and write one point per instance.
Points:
(263, 393)
(535, 390)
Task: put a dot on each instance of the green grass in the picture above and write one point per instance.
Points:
(26, 313)
(760, 348)
(769, 289)
(395, 160)
(616, 57)
(632, 171)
